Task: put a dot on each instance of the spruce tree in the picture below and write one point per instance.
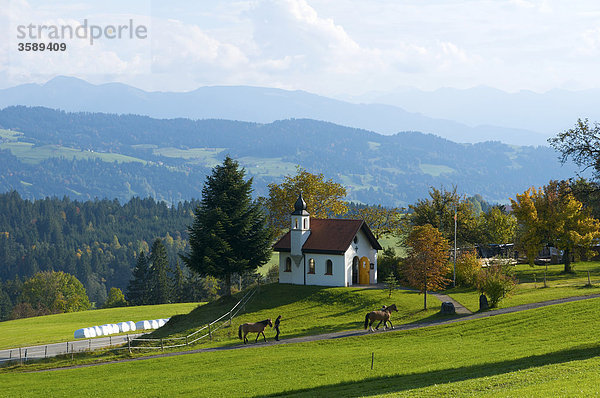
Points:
(138, 290)
(159, 279)
(178, 294)
(229, 234)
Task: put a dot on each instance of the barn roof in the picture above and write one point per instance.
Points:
(330, 236)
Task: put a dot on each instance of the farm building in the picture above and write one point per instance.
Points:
(326, 252)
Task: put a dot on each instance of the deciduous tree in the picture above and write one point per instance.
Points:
(55, 292)
(553, 216)
(438, 211)
(580, 144)
(381, 220)
(229, 234)
(427, 264)
(116, 298)
(324, 198)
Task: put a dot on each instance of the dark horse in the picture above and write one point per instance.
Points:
(257, 327)
(382, 316)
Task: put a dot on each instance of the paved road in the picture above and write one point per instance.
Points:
(352, 333)
(52, 350)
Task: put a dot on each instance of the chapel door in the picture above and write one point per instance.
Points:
(355, 271)
(364, 268)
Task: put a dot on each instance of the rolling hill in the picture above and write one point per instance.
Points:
(87, 155)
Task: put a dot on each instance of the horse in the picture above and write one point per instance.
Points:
(257, 327)
(382, 316)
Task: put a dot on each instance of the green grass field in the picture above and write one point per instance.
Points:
(531, 285)
(551, 351)
(305, 310)
(60, 327)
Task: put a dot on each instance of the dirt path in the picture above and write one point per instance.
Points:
(351, 333)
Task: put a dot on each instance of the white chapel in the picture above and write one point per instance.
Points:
(326, 252)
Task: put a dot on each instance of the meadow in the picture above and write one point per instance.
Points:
(60, 327)
(548, 351)
(305, 310)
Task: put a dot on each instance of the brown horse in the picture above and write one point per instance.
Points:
(257, 327)
(382, 316)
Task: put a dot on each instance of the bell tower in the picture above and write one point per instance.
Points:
(299, 230)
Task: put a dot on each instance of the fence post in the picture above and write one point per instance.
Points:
(186, 340)
(90, 345)
(25, 354)
(45, 352)
(129, 344)
(67, 347)
(209, 333)
(230, 316)
(20, 356)
(9, 354)
(161, 345)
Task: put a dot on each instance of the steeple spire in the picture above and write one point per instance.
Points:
(300, 207)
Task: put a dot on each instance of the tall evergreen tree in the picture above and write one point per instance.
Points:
(178, 289)
(229, 234)
(138, 291)
(160, 285)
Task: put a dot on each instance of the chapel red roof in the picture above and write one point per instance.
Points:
(329, 236)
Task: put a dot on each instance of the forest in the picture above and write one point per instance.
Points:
(96, 241)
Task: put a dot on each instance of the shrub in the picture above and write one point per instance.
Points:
(495, 282)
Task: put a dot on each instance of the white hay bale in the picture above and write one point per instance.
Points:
(154, 323)
(106, 329)
(115, 328)
(143, 325)
(79, 334)
(131, 326)
(90, 333)
(161, 322)
(123, 327)
(98, 331)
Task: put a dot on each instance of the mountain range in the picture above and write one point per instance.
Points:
(265, 105)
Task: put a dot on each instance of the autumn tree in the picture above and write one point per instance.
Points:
(323, 197)
(427, 263)
(553, 216)
(54, 292)
(229, 234)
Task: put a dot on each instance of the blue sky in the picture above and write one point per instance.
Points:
(334, 48)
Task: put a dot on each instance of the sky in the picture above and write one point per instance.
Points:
(333, 48)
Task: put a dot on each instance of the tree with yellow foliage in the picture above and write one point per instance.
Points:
(427, 263)
(324, 198)
(553, 216)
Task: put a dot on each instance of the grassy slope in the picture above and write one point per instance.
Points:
(544, 352)
(531, 290)
(305, 310)
(60, 327)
